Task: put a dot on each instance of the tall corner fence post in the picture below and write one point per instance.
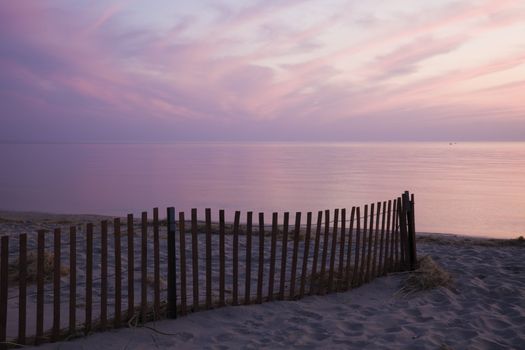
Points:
(408, 233)
(403, 231)
(172, 277)
(412, 233)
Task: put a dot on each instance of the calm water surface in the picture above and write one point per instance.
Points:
(466, 188)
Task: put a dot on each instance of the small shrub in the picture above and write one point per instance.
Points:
(429, 275)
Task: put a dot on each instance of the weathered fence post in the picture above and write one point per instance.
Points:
(260, 266)
(407, 231)
(4, 261)
(248, 261)
(182, 259)
(22, 289)
(208, 258)
(355, 276)
(324, 255)
(235, 268)
(362, 270)
(195, 258)
(172, 268)
(131, 268)
(56, 285)
(222, 259)
(412, 252)
(284, 255)
(306, 252)
(72, 279)
(342, 250)
(273, 244)
(144, 268)
(331, 270)
(156, 263)
(369, 245)
(89, 279)
(118, 273)
(316, 252)
(104, 275)
(349, 249)
(40, 287)
(295, 250)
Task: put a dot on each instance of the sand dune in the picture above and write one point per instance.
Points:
(484, 308)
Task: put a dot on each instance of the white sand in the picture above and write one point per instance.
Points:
(485, 309)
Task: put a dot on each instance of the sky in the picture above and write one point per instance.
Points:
(273, 70)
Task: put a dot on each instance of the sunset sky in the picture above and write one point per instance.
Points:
(329, 70)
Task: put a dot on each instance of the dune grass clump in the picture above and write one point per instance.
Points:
(14, 268)
(429, 275)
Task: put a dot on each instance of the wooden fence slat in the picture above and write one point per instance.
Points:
(370, 243)
(208, 257)
(22, 289)
(248, 273)
(40, 288)
(156, 264)
(403, 230)
(131, 268)
(144, 268)
(222, 259)
(118, 273)
(398, 251)
(306, 251)
(4, 276)
(182, 246)
(235, 292)
(355, 277)
(363, 251)
(172, 264)
(333, 252)
(314, 276)
(260, 266)
(284, 256)
(89, 278)
(380, 264)
(72, 279)
(388, 235)
(376, 241)
(325, 251)
(297, 232)
(195, 258)
(393, 236)
(397, 245)
(342, 240)
(56, 285)
(104, 275)
(349, 249)
(273, 245)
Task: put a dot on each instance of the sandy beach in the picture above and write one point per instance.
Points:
(482, 308)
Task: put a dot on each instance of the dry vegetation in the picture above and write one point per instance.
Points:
(429, 275)
(14, 268)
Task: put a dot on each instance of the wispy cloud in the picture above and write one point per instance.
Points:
(254, 65)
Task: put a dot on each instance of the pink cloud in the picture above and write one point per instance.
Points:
(146, 74)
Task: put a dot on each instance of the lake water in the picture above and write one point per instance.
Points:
(466, 188)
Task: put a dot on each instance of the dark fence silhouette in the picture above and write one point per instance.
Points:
(61, 285)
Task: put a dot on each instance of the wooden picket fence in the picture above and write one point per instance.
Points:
(333, 254)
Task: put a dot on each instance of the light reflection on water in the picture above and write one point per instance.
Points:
(466, 188)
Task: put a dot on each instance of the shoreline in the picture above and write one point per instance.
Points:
(42, 220)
